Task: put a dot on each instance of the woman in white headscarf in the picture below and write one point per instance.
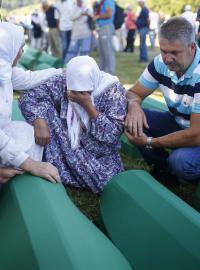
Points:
(18, 151)
(79, 120)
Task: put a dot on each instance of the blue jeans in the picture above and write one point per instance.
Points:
(105, 48)
(65, 39)
(143, 47)
(79, 47)
(183, 162)
(152, 38)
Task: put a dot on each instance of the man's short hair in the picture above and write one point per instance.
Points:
(177, 28)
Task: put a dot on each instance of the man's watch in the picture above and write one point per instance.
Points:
(149, 143)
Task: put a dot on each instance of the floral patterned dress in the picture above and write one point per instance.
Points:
(97, 158)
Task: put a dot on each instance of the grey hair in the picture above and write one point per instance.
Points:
(177, 28)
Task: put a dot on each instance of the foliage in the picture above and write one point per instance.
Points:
(168, 7)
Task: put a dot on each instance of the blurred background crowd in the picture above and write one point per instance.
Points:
(67, 28)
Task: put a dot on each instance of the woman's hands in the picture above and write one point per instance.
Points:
(42, 132)
(42, 169)
(7, 173)
(84, 100)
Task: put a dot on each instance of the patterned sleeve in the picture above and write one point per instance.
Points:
(108, 126)
(35, 103)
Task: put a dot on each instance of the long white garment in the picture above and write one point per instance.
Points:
(23, 80)
(83, 74)
(16, 138)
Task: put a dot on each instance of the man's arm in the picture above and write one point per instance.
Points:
(106, 15)
(136, 119)
(188, 137)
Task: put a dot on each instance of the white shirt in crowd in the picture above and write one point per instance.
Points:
(63, 14)
(154, 20)
(191, 17)
(80, 27)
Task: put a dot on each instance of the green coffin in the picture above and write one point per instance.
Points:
(152, 227)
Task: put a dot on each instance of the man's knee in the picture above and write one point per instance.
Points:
(182, 165)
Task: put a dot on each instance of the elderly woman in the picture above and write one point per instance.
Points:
(18, 151)
(79, 120)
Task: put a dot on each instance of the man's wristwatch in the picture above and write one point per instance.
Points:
(149, 143)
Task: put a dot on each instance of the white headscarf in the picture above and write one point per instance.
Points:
(11, 40)
(83, 74)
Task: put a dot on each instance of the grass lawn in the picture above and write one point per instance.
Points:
(128, 70)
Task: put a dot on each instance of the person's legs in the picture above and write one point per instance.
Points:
(160, 124)
(100, 49)
(55, 42)
(85, 46)
(152, 36)
(130, 40)
(143, 47)
(68, 39)
(64, 43)
(185, 163)
(107, 54)
(73, 50)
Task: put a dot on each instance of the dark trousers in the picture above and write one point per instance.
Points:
(184, 161)
(130, 41)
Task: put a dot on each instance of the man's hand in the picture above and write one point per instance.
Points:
(135, 120)
(137, 140)
(42, 132)
(42, 169)
(7, 173)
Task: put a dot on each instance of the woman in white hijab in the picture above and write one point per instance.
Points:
(18, 151)
(80, 127)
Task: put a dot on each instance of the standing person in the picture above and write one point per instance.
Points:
(143, 29)
(81, 33)
(53, 23)
(130, 23)
(18, 151)
(153, 27)
(63, 14)
(189, 15)
(78, 117)
(176, 72)
(36, 37)
(104, 18)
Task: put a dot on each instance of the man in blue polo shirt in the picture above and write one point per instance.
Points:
(104, 18)
(176, 71)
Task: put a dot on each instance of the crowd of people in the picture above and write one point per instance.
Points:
(75, 117)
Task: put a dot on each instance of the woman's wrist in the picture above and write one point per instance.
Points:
(27, 164)
(93, 113)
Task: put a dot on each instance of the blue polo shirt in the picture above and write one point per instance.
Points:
(107, 4)
(182, 95)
